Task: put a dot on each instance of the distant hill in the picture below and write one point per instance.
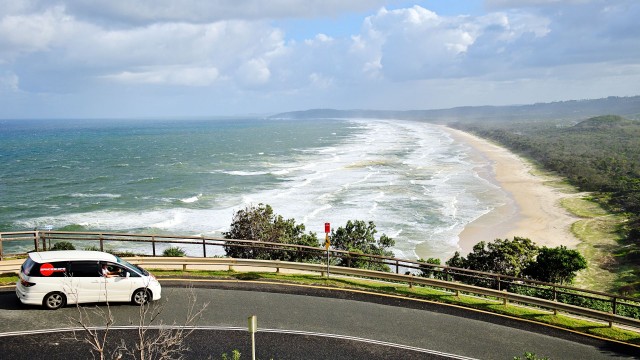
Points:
(628, 107)
(604, 122)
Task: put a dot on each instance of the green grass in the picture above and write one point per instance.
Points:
(598, 232)
(425, 293)
(417, 292)
(8, 279)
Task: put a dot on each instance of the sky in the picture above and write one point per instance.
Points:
(168, 58)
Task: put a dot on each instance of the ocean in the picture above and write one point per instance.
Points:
(187, 176)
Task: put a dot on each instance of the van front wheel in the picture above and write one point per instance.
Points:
(54, 300)
(140, 297)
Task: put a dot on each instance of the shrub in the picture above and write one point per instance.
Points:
(174, 251)
(62, 245)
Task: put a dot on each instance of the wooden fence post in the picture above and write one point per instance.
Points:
(36, 246)
(153, 245)
(101, 242)
(555, 298)
(204, 248)
(1, 251)
(614, 305)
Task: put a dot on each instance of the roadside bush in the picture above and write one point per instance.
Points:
(261, 224)
(62, 245)
(431, 271)
(174, 251)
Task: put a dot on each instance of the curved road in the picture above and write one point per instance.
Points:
(312, 323)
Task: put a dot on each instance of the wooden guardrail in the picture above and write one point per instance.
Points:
(408, 279)
(614, 304)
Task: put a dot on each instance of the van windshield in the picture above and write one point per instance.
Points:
(132, 266)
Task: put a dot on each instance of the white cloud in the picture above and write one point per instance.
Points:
(395, 55)
(183, 76)
(134, 12)
(29, 33)
(254, 72)
(150, 54)
(417, 43)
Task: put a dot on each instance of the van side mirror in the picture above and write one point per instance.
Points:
(127, 274)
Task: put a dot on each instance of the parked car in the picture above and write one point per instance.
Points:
(56, 278)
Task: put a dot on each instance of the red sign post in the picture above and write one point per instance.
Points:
(327, 242)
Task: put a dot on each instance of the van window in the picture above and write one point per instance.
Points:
(48, 269)
(27, 266)
(54, 269)
(85, 269)
(121, 270)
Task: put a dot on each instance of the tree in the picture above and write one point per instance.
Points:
(457, 261)
(262, 224)
(359, 237)
(431, 271)
(154, 339)
(556, 265)
(507, 257)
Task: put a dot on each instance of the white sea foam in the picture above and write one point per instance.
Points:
(410, 178)
(192, 199)
(243, 173)
(106, 195)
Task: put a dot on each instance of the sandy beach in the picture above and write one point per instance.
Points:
(533, 209)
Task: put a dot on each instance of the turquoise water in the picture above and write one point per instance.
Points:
(190, 176)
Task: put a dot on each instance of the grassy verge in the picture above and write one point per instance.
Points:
(8, 279)
(425, 293)
(598, 232)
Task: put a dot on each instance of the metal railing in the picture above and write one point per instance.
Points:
(504, 296)
(510, 288)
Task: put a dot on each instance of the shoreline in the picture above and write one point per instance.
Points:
(533, 208)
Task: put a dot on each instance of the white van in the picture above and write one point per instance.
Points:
(55, 278)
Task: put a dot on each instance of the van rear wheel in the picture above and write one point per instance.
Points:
(54, 300)
(141, 297)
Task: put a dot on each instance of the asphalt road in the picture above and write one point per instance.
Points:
(308, 323)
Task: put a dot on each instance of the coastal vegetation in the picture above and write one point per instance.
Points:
(174, 251)
(519, 257)
(260, 223)
(359, 237)
(63, 245)
(598, 155)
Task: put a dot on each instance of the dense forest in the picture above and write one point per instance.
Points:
(599, 155)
